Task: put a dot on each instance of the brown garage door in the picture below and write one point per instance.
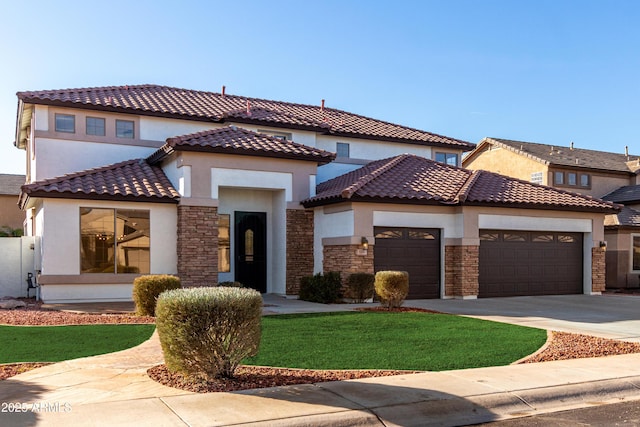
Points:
(414, 250)
(515, 263)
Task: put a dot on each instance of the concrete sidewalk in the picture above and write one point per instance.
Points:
(113, 390)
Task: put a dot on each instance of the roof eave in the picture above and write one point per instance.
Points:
(221, 150)
(541, 206)
(85, 196)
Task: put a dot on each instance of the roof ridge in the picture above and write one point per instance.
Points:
(365, 179)
(463, 193)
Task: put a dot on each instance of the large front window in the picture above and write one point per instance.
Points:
(635, 252)
(114, 241)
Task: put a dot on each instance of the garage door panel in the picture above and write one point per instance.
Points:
(414, 250)
(529, 263)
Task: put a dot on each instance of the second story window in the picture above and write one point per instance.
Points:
(65, 123)
(124, 129)
(584, 180)
(95, 126)
(536, 177)
(450, 159)
(342, 149)
(558, 178)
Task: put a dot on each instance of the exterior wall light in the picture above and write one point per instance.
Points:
(603, 245)
(365, 243)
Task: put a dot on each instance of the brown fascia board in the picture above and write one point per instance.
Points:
(556, 166)
(83, 196)
(611, 210)
(386, 200)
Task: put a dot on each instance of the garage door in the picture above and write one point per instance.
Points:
(514, 263)
(414, 250)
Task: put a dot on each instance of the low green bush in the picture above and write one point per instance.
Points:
(231, 284)
(206, 332)
(360, 286)
(392, 287)
(323, 288)
(146, 290)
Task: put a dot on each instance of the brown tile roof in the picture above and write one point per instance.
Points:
(133, 180)
(565, 156)
(233, 140)
(10, 184)
(412, 179)
(185, 104)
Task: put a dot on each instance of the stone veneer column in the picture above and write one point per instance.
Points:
(343, 259)
(197, 245)
(299, 248)
(461, 271)
(598, 269)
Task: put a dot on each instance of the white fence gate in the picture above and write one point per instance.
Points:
(17, 259)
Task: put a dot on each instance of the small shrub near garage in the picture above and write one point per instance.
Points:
(392, 287)
(323, 288)
(146, 290)
(206, 332)
(360, 286)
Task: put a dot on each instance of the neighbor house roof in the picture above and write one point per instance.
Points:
(563, 156)
(133, 180)
(163, 101)
(233, 140)
(10, 184)
(412, 179)
(627, 217)
(624, 195)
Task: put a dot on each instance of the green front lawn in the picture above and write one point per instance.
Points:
(56, 343)
(378, 340)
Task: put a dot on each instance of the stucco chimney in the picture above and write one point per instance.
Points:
(572, 145)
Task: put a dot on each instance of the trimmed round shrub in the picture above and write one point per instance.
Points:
(323, 288)
(392, 287)
(146, 290)
(206, 332)
(360, 286)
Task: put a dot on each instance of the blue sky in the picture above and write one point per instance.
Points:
(541, 71)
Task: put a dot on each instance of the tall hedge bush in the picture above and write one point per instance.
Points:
(323, 288)
(146, 290)
(360, 286)
(392, 287)
(206, 332)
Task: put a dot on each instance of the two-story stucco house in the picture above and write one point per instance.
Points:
(132, 180)
(606, 175)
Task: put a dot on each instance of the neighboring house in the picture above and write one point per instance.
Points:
(11, 216)
(609, 176)
(213, 187)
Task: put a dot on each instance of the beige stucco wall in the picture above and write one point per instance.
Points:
(505, 162)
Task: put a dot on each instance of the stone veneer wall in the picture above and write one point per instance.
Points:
(598, 269)
(461, 271)
(343, 258)
(197, 245)
(299, 248)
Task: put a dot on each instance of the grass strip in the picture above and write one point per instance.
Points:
(56, 343)
(379, 340)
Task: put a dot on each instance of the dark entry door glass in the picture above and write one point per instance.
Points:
(251, 249)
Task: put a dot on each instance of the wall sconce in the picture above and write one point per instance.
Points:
(603, 245)
(365, 243)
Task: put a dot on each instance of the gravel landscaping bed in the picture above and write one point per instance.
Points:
(561, 346)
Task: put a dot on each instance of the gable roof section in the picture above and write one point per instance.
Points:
(133, 180)
(412, 179)
(553, 155)
(233, 140)
(10, 184)
(163, 101)
(626, 218)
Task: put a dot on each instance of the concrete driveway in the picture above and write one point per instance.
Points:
(607, 316)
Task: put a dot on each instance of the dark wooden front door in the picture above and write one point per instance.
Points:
(251, 249)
